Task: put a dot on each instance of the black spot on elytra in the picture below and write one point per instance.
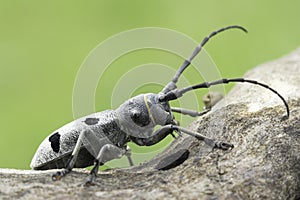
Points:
(91, 121)
(54, 139)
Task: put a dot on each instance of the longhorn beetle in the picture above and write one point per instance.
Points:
(103, 136)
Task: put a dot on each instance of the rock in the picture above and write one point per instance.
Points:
(265, 163)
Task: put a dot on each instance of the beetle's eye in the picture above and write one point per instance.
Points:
(139, 118)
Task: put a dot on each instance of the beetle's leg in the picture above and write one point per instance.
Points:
(191, 113)
(128, 155)
(107, 152)
(59, 174)
(157, 136)
(165, 130)
(177, 123)
(209, 141)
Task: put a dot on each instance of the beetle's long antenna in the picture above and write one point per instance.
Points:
(187, 62)
(176, 93)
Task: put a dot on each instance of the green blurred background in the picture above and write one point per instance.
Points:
(43, 43)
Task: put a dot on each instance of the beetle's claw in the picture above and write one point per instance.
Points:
(57, 176)
(224, 145)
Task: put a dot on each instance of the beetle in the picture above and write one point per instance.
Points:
(103, 136)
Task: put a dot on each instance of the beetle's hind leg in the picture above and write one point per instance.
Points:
(70, 165)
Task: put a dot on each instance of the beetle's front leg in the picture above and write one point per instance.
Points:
(168, 129)
(209, 141)
(156, 137)
(59, 174)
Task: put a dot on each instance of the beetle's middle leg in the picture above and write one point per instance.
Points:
(107, 152)
(128, 155)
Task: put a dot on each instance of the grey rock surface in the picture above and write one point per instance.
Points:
(265, 163)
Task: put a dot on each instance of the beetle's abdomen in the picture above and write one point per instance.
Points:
(85, 159)
(56, 149)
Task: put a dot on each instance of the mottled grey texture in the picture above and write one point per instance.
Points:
(104, 126)
(265, 163)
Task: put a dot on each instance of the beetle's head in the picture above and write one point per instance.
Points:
(140, 114)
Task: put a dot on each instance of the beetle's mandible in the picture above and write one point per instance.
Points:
(103, 136)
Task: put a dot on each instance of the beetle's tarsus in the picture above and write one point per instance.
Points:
(57, 176)
(90, 181)
(223, 145)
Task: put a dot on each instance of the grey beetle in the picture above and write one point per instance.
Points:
(103, 136)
